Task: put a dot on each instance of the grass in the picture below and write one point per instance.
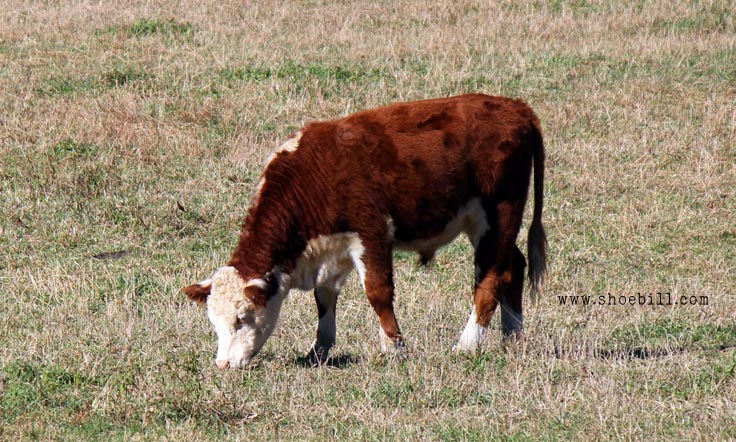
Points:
(133, 137)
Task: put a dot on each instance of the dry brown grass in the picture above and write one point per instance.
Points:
(112, 116)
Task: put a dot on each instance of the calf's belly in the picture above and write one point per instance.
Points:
(470, 218)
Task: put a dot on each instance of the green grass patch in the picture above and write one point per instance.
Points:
(67, 86)
(158, 26)
(667, 332)
(717, 17)
(303, 72)
(69, 147)
(251, 73)
(120, 75)
(693, 384)
(325, 79)
(577, 7)
(30, 388)
(485, 362)
(168, 28)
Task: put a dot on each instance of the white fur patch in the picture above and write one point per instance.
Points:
(291, 144)
(388, 345)
(227, 291)
(257, 282)
(254, 332)
(242, 329)
(472, 336)
(356, 253)
(327, 261)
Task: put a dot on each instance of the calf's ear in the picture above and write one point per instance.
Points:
(199, 292)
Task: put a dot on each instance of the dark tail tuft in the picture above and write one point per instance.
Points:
(537, 238)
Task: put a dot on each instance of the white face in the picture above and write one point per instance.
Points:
(242, 329)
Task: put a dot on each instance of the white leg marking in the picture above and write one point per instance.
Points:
(511, 321)
(388, 345)
(472, 335)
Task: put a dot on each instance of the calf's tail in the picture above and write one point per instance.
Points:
(537, 238)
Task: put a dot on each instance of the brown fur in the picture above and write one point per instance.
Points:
(198, 293)
(416, 163)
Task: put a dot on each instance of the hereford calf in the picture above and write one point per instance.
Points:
(343, 194)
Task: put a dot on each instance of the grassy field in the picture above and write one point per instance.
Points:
(131, 138)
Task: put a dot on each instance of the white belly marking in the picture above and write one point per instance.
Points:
(471, 219)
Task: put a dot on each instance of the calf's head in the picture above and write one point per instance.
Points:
(243, 312)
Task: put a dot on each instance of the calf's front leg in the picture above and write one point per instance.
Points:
(326, 299)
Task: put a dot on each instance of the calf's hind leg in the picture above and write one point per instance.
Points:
(499, 275)
(379, 287)
(512, 319)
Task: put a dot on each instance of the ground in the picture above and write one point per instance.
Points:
(134, 135)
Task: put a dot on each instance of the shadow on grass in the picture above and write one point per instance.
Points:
(638, 353)
(635, 353)
(654, 339)
(338, 361)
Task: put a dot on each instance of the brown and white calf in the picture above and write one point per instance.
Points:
(343, 194)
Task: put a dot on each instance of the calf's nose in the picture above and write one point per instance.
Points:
(222, 363)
